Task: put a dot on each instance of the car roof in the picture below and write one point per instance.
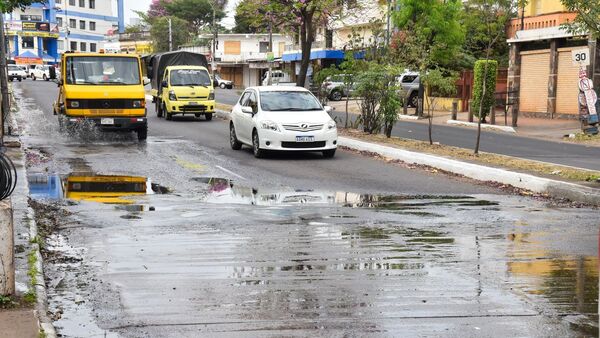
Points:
(279, 89)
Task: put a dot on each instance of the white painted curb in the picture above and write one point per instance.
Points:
(559, 189)
(408, 117)
(505, 129)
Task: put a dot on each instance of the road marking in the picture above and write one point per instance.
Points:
(230, 172)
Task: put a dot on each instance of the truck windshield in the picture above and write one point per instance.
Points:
(190, 77)
(102, 70)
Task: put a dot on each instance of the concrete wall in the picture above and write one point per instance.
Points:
(537, 7)
(7, 258)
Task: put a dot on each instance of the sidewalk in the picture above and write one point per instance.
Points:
(545, 129)
(20, 323)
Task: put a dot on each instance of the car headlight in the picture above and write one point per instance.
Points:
(138, 103)
(172, 96)
(270, 125)
(211, 96)
(331, 125)
(74, 104)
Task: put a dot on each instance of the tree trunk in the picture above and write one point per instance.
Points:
(347, 99)
(306, 40)
(483, 94)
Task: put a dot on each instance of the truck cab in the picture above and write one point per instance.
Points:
(105, 89)
(186, 90)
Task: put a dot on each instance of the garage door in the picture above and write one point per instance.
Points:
(535, 69)
(566, 88)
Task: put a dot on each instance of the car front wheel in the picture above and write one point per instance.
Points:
(258, 153)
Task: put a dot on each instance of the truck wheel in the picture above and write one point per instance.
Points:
(142, 133)
(208, 117)
(158, 108)
(165, 111)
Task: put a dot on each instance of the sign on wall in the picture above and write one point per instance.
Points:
(35, 26)
(581, 57)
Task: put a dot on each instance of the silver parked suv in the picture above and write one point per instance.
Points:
(409, 82)
(334, 87)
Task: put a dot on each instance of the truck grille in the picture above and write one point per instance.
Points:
(104, 104)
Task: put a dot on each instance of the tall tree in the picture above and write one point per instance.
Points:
(7, 6)
(199, 13)
(295, 16)
(157, 9)
(588, 18)
(160, 32)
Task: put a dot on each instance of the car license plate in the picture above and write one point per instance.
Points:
(305, 138)
(193, 103)
(105, 121)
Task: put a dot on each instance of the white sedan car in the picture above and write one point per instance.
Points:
(284, 119)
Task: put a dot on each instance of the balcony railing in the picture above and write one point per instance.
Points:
(539, 21)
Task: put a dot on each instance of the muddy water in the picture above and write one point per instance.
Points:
(318, 263)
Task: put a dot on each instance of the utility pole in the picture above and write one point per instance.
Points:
(270, 81)
(213, 64)
(387, 31)
(170, 35)
(3, 80)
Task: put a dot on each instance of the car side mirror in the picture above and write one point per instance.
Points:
(328, 109)
(247, 110)
(146, 81)
(164, 84)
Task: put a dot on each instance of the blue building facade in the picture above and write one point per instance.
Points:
(43, 31)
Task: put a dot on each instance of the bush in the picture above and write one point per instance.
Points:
(488, 100)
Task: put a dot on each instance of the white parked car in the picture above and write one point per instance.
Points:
(282, 118)
(16, 72)
(222, 83)
(41, 72)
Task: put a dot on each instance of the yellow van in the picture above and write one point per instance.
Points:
(186, 90)
(106, 89)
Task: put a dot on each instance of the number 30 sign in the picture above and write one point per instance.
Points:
(581, 57)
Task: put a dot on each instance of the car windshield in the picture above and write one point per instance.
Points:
(190, 77)
(102, 70)
(11, 67)
(288, 101)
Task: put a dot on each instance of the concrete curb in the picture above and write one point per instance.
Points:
(554, 188)
(408, 117)
(40, 288)
(225, 115)
(505, 129)
(41, 307)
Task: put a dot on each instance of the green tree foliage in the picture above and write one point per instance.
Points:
(7, 6)
(478, 32)
(431, 34)
(485, 101)
(588, 18)
(198, 13)
(293, 16)
(160, 33)
(245, 23)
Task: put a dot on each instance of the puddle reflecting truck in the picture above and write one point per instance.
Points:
(104, 89)
(181, 84)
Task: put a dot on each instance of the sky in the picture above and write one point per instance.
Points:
(142, 5)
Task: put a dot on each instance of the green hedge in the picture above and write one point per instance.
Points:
(488, 100)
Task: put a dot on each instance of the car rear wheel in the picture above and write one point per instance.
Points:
(258, 153)
(330, 153)
(233, 141)
(222, 85)
(45, 77)
(336, 95)
(33, 77)
(413, 100)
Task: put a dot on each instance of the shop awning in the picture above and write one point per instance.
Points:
(314, 55)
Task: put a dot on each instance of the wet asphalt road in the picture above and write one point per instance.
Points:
(575, 155)
(216, 243)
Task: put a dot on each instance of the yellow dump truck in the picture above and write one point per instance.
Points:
(105, 89)
(181, 84)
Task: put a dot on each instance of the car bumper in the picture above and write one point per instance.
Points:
(119, 123)
(184, 107)
(286, 140)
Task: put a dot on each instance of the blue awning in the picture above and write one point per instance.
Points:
(28, 54)
(314, 55)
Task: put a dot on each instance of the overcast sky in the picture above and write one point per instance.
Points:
(142, 5)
